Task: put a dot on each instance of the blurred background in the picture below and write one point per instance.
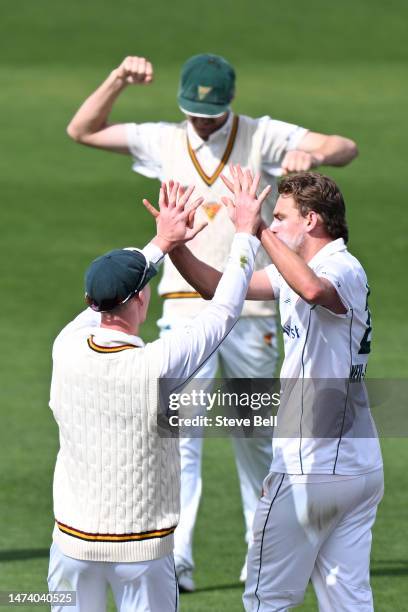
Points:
(337, 68)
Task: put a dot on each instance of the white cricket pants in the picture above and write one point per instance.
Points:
(320, 531)
(249, 351)
(147, 586)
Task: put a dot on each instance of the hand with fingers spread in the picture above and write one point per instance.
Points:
(245, 207)
(135, 70)
(176, 215)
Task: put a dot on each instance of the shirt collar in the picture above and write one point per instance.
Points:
(112, 337)
(196, 142)
(334, 246)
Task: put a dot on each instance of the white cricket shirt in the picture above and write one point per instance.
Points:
(324, 422)
(145, 144)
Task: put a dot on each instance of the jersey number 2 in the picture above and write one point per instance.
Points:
(365, 345)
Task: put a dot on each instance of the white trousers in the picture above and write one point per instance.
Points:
(148, 586)
(249, 351)
(318, 531)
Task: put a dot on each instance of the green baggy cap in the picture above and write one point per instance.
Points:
(207, 85)
(115, 277)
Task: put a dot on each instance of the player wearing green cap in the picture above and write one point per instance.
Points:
(197, 151)
(117, 477)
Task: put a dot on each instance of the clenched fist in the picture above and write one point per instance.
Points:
(300, 161)
(135, 70)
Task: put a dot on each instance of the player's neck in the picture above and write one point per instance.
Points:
(312, 246)
(221, 124)
(121, 324)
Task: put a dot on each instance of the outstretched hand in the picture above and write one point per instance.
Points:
(176, 215)
(245, 207)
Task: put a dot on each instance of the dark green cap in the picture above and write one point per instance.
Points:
(207, 85)
(115, 277)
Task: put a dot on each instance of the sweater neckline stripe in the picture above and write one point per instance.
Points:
(108, 349)
(210, 180)
(111, 537)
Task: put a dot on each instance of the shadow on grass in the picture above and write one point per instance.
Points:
(380, 568)
(217, 587)
(24, 554)
(389, 567)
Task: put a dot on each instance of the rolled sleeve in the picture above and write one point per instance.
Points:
(144, 143)
(279, 137)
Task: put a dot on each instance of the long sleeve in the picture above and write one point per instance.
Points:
(186, 349)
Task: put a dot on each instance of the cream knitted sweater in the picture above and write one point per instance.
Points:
(116, 482)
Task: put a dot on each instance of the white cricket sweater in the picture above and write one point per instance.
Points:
(116, 482)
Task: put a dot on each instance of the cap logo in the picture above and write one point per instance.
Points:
(203, 92)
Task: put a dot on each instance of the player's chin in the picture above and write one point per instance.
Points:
(293, 242)
(204, 133)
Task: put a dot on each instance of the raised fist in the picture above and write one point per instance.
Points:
(300, 161)
(135, 70)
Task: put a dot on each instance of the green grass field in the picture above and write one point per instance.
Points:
(336, 68)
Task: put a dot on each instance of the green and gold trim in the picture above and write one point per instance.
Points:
(108, 349)
(112, 537)
(210, 180)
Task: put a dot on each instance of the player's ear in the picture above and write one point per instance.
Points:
(144, 296)
(313, 219)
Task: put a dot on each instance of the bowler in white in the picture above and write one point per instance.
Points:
(319, 500)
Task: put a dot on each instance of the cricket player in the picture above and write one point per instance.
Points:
(196, 151)
(320, 498)
(116, 481)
